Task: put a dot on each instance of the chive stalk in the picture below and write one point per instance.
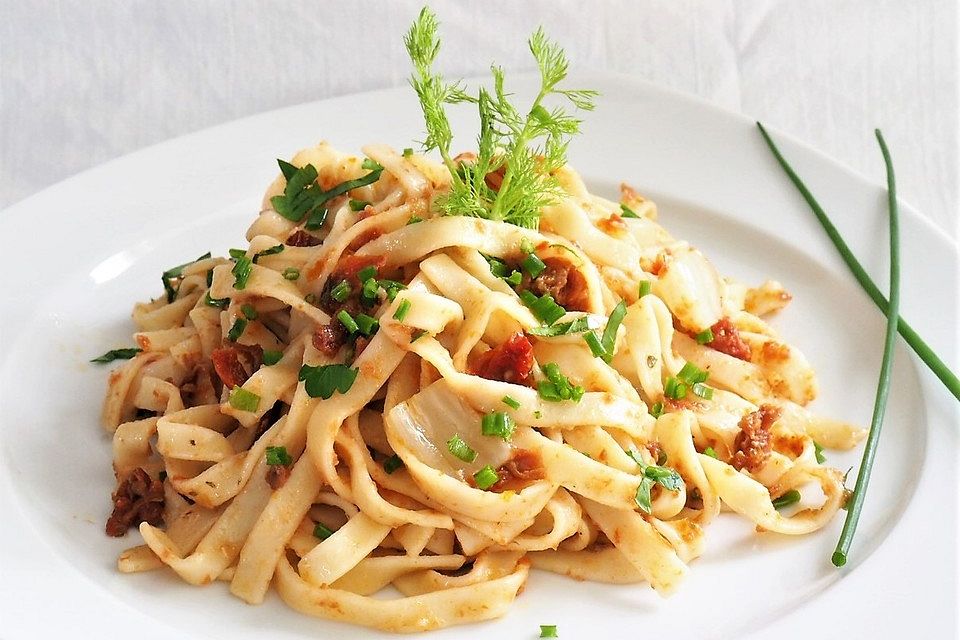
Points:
(921, 348)
(855, 504)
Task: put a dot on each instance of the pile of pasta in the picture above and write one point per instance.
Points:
(330, 524)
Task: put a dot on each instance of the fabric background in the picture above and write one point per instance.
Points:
(84, 82)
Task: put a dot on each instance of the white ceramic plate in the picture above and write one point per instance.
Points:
(77, 255)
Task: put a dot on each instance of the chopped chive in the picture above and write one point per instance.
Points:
(249, 312)
(322, 381)
(579, 325)
(510, 402)
(921, 348)
(277, 248)
(368, 292)
(367, 273)
(702, 390)
(548, 631)
(596, 348)
(291, 273)
(347, 321)
(691, 374)
(244, 400)
(627, 212)
(241, 272)
(221, 303)
(855, 504)
(818, 453)
(175, 272)
(709, 451)
(414, 220)
(787, 499)
(358, 205)
(486, 478)
(533, 265)
(543, 308)
(416, 335)
(368, 325)
(322, 532)
(271, 358)
(497, 266)
(371, 165)
(407, 152)
(497, 424)
(341, 292)
(402, 310)
(278, 457)
(392, 463)
(514, 279)
(239, 326)
(236, 254)
(117, 354)
(645, 287)
(460, 449)
(557, 386)
(526, 246)
(657, 409)
(609, 340)
(392, 287)
(705, 336)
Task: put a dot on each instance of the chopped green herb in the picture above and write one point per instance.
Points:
(498, 424)
(579, 325)
(596, 348)
(402, 310)
(710, 452)
(271, 358)
(818, 452)
(538, 414)
(237, 253)
(627, 212)
(533, 265)
(645, 288)
(347, 321)
(392, 463)
(416, 335)
(358, 205)
(526, 245)
(392, 288)
(460, 449)
(176, 272)
(548, 631)
(407, 152)
(543, 308)
(249, 312)
(510, 402)
(674, 389)
(657, 409)
(368, 325)
(220, 303)
(557, 386)
(291, 273)
(322, 381)
(278, 457)
(486, 478)
(514, 279)
(690, 374)
(787, 499)
(267, 252)
(341, 292)
(239, 326)
(322, 532)
(303, 197)
(414, 220)
(604, 348)
(241, 272)
(528, 143)
(705, 336)
(244, 400)
(371, 165)
(117, 354)
(497, 266)
(702, 390)
(367, 273)
(310, 298)
(653, 474)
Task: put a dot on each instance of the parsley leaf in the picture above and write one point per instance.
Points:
(321, 382)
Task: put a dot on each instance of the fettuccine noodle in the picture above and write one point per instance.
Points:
(236, 465)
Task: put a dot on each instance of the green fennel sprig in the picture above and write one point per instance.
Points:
(921, 348)
(855, 504)
(526, 146)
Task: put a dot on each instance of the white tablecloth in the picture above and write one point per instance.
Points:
(83, 82)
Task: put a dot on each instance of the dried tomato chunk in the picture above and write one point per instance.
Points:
(511, 361)
(753, 443)
(235, 363)
(726, 339)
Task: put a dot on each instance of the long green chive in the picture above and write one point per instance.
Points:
(486, 478)
(177, 272)
(855, 504)
(347, 321)
(402, 310)
(596, 347)
(921, 348)
(275, 249)
(244, 400)
(460, 449)
(241, 272)
(787, 499)
(644, 288)
(609, 339)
